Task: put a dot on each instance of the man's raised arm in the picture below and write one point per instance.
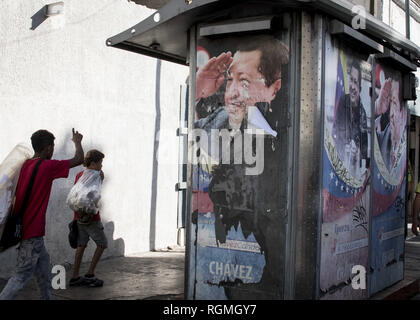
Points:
(79, 153)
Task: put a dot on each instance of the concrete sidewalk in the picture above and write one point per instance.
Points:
(150, 275)
(160, 276)
(408, 288)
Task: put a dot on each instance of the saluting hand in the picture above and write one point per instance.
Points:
(212, 75)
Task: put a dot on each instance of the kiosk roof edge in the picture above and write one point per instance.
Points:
(164, 34)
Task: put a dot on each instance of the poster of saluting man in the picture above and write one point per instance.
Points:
(238, 222)
(388, 179)
(346, 171)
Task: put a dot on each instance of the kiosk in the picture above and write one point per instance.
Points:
(296, 173)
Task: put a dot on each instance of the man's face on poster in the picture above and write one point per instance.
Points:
(354, 86)
(246, 85)
(396, 116)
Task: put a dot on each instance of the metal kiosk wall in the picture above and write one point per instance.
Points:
(389, 170)
(284, 177)
(346, 166)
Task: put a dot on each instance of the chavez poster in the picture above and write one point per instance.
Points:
(388, 180)
(346, 171)
(239, 168)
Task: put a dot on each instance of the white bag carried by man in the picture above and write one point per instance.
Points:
(85, 194)
(9, 175)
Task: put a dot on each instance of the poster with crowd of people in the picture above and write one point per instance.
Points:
(346, 171)
(238, 196)
(388, 180)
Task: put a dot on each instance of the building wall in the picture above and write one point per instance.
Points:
(60, 76)
(394, 16)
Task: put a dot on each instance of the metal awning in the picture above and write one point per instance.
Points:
(164, 34)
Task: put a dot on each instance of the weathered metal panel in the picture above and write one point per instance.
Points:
(388, 179)
(346, 171)
(306, 204)
(190, 228)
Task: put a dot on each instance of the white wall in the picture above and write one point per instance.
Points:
(61, 75)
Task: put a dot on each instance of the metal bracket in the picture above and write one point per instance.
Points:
(409, 87)
(181, 132)
(341, 29)
(180, 186)
(395, 58)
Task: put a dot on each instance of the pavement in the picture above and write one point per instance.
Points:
(412, 263)
(159, 275)
(409, 287)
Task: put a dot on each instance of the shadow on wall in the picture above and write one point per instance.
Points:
(153, 200)
(116, 248)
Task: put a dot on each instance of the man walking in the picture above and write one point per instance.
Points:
(33, 258)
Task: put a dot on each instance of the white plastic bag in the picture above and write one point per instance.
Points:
(85, 194)
(9, 175)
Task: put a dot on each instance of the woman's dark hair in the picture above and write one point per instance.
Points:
(92, 156)
(41, 139)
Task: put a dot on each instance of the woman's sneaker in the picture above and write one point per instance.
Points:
(91, 281)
